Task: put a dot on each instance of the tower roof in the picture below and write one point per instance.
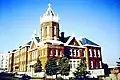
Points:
(49, 15)
(49, 11)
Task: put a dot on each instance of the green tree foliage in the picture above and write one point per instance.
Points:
(51, 67)
(81, 70)
(118, 62)
(38, 65)
(64, 66)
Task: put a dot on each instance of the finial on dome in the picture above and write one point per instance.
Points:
(49, 5)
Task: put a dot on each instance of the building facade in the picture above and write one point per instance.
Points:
(51, 44)
(3, 61)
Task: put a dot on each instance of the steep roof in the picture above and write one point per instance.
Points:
(65, 39)
(85, 41)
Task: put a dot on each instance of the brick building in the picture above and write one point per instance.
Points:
(51, 43)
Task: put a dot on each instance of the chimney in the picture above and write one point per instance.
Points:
(62, 35)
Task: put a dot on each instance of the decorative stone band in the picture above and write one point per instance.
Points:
(49, 18)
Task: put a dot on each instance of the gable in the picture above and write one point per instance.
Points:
(33, 45)
(74, 42)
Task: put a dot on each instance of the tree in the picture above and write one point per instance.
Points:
(64, 66)
(81, 70)
(118, 62)
(38, 65)
(51, 67)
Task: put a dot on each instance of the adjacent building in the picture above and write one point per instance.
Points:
(51, 43)
(3, 61)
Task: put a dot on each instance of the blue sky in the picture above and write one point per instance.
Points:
(98, 20)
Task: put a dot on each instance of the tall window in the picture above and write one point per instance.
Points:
(70, 64)
(98, 53)
(74, 64)
(47, 30)
(100, 64)
(54, 30)
(90, 52)
(91, 64)
(94, 52)
(74, 53)
(70, 52)
(50, 52)
(56, 52)
(84, 53)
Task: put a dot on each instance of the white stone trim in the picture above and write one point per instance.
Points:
(90, 45)
(74, 46)
(70, 39)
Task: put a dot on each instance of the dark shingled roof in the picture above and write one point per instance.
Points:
(65, 39)
(29, 43)
(87, 41)
(37, 39)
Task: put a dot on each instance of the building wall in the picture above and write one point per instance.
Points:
(3, 60)
(94, 57)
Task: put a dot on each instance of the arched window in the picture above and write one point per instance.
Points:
(100, 63)
(90, 52)
(74, 53)
(70, 52)
(47, 30)
(91, 64)
(94, 52)
(98, 53)
(50, 52)
(55, 30)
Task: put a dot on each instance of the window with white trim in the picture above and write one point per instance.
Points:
(84, 53)
(94, 52)
(74, 52)
(56, 52)
(70, 64)
(90, 52)
(70, 52)
(100, 63)
(74, 64)
(78, 53)
(54, 30)
(47, 30)
(98, 53)
(50, 52)
(91, 64)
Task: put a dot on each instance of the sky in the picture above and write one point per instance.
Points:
(97, 20)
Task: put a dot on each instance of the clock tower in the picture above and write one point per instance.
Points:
(49, 23)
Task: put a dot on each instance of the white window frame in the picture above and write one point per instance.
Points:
(74, 52)
(90, 50)
(91, 64)
(56, 52)
(100, 63)
(55, 30)
(98, 53)
(71, 52)
(51, 53)
(84, 54)
(94, 52)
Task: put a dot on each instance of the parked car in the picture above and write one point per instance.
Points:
(23, 76)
